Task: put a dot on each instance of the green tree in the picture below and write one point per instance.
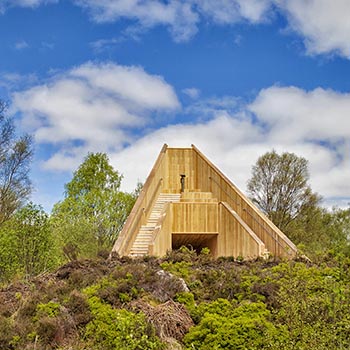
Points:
(313, 306)
(337, 223)
(15, 157)
(94, 209)
(279, 186)
(27, 244)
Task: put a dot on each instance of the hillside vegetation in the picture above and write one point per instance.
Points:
(59, 289)
(184, 301)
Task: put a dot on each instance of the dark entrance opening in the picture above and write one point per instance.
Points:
(196, 241)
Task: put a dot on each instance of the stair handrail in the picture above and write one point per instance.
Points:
(160, 221)
(134, 220)
(276, 239)
(272, 226)
(158, 230)
(252, 234)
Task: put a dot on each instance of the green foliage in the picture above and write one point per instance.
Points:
(6, 332)
(113, 329)
(115, 291)
(94, 209)
(225, 326)
(180, 269)
(321, 231)
(27, 243)
(262, 304)
(279, 186)
(314, 306)
(50, 309)
(9, 262)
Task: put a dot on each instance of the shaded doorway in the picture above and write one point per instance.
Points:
(196, 241)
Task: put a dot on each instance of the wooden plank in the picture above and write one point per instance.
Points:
(200, 216)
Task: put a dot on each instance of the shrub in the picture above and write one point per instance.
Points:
(224, 326)
(180, 269)
(113, 329)
(78, 307)
(6, 333)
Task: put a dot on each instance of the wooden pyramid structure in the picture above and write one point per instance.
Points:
(188, 201)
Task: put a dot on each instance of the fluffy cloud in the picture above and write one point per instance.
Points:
(318, 115)
(311, 124)
(192, 92)
(109, 108)
(20, 45)
(92, 107)
(181, 17)
(324, 24)
(23, 3)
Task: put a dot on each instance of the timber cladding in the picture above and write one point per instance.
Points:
(186, 200)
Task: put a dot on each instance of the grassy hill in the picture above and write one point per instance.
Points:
(183, 301)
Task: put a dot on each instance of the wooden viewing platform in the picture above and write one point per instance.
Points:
(186, 200)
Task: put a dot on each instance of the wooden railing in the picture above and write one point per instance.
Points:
(239, 238)
(201, 175)
(211, 179)
(267, 230)
(161, 240)
(142, 208)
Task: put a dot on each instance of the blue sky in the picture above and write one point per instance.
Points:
(236, 78)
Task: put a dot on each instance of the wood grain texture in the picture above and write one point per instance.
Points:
(210, 205)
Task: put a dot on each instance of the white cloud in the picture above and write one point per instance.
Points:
(324, 24)
(181, 17)
(92, 107)
(228, 11)
(14, 80)
(254, 10)
(47, 45)
(192, 92)
(104, 44)
(4, 4)
(20, 45)
(315, 115)
(218, 138)
(316, 124)
(177, 15)
(108, 107)
(311, 124)
(132, 84)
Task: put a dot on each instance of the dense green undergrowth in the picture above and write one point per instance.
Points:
(184, 301)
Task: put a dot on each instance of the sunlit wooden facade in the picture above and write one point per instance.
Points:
(186, 200)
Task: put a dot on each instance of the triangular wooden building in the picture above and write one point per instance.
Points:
(188, 201)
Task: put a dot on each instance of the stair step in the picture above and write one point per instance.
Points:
(145, 234)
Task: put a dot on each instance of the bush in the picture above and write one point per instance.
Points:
(225, 326)
(113, 329)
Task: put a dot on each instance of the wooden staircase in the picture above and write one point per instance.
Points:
(144, 236)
